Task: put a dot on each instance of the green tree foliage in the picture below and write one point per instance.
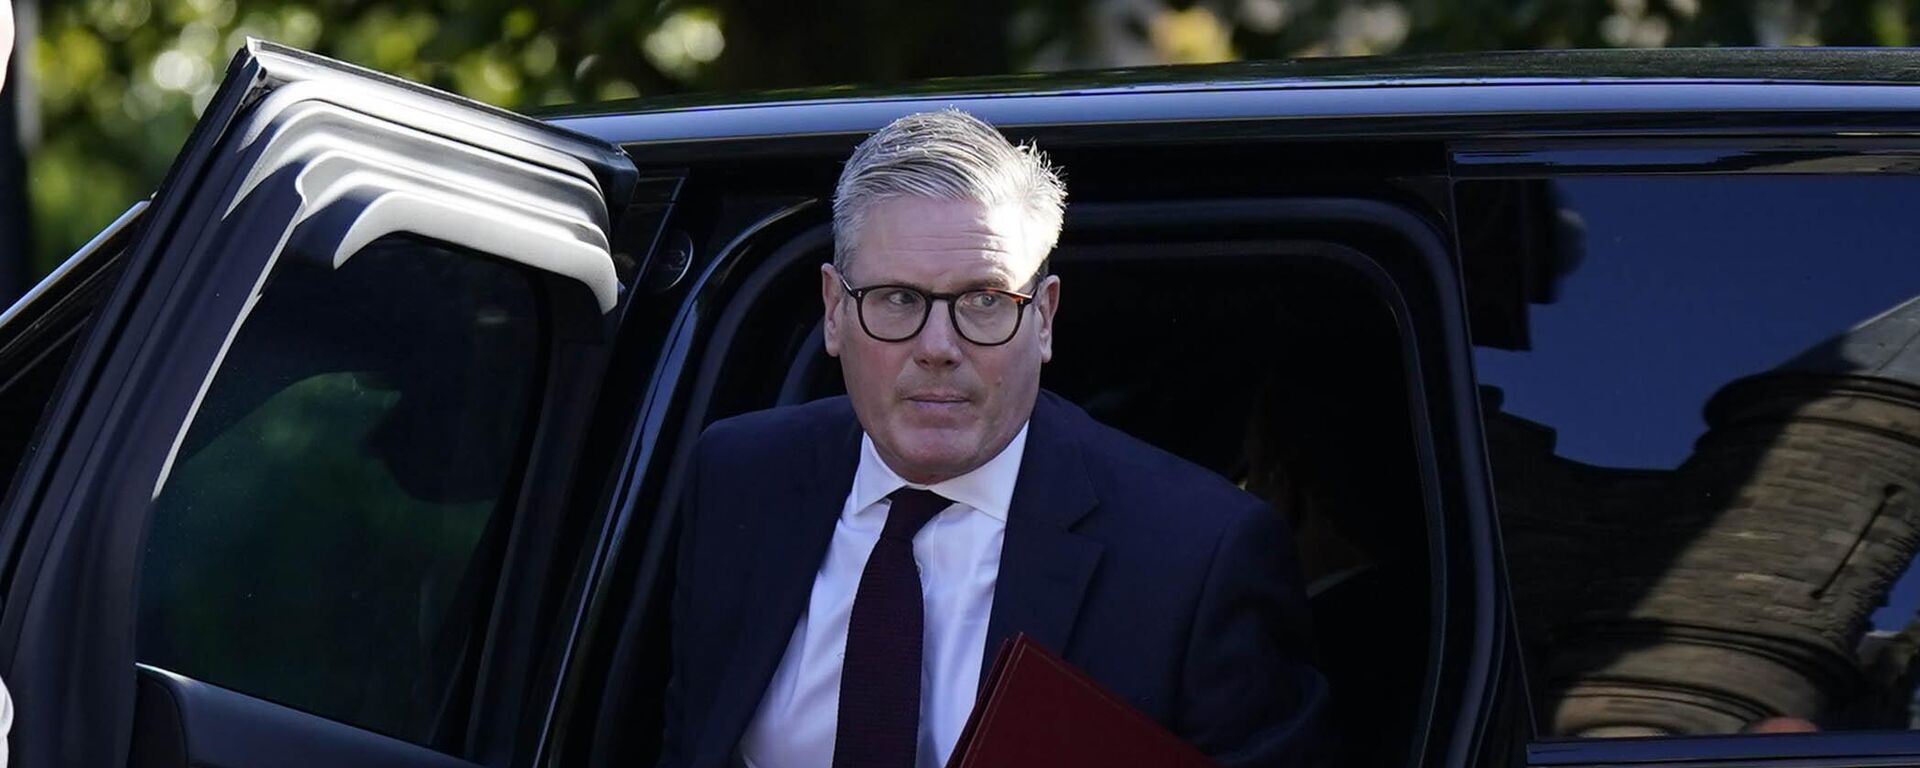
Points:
(119, 82)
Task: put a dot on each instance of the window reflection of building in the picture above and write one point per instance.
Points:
(1739, 585)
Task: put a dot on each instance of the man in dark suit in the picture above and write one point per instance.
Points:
(846, 566)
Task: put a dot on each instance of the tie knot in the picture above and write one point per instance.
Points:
(910, 511)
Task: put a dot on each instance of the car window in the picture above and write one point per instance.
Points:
(1702, 397)
(325, 536)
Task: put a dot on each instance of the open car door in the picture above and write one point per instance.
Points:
(284, 507)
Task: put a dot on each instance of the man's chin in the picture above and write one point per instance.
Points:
(938, 456)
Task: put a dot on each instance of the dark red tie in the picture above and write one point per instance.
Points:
(879, 725)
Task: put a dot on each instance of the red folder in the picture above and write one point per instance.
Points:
(1038, 710)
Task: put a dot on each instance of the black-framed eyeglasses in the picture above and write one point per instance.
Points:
(988, 317)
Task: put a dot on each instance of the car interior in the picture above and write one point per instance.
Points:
(1268, 361)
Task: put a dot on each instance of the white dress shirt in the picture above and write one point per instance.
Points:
(959, 557)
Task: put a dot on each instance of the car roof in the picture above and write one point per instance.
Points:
(1666, 81)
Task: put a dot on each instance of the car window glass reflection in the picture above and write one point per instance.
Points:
(323, 538)
(1703, 416)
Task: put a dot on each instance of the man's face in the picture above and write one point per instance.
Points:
(936, 405)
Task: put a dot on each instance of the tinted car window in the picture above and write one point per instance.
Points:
(1703, 417)
(326, 537)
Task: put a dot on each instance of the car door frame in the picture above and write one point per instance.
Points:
(1468, 632)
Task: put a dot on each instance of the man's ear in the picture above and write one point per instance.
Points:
(831, 294)
(1046, 302)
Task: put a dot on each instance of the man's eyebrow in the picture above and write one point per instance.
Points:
(987, 285)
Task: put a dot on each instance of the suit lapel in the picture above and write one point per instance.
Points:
(1044, 566)
(787, 551)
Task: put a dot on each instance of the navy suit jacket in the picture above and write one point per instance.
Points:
(1163, 581)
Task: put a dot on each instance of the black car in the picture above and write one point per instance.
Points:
(1590, 382)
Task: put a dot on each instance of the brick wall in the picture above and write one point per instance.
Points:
(1734, 587)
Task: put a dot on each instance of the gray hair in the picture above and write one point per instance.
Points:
(945, 155)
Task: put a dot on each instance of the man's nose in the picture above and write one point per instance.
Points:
(938, 344)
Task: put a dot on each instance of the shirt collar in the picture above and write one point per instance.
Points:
(988, 488)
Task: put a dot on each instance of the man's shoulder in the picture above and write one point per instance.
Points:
(1130, 473)
(778, 430)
